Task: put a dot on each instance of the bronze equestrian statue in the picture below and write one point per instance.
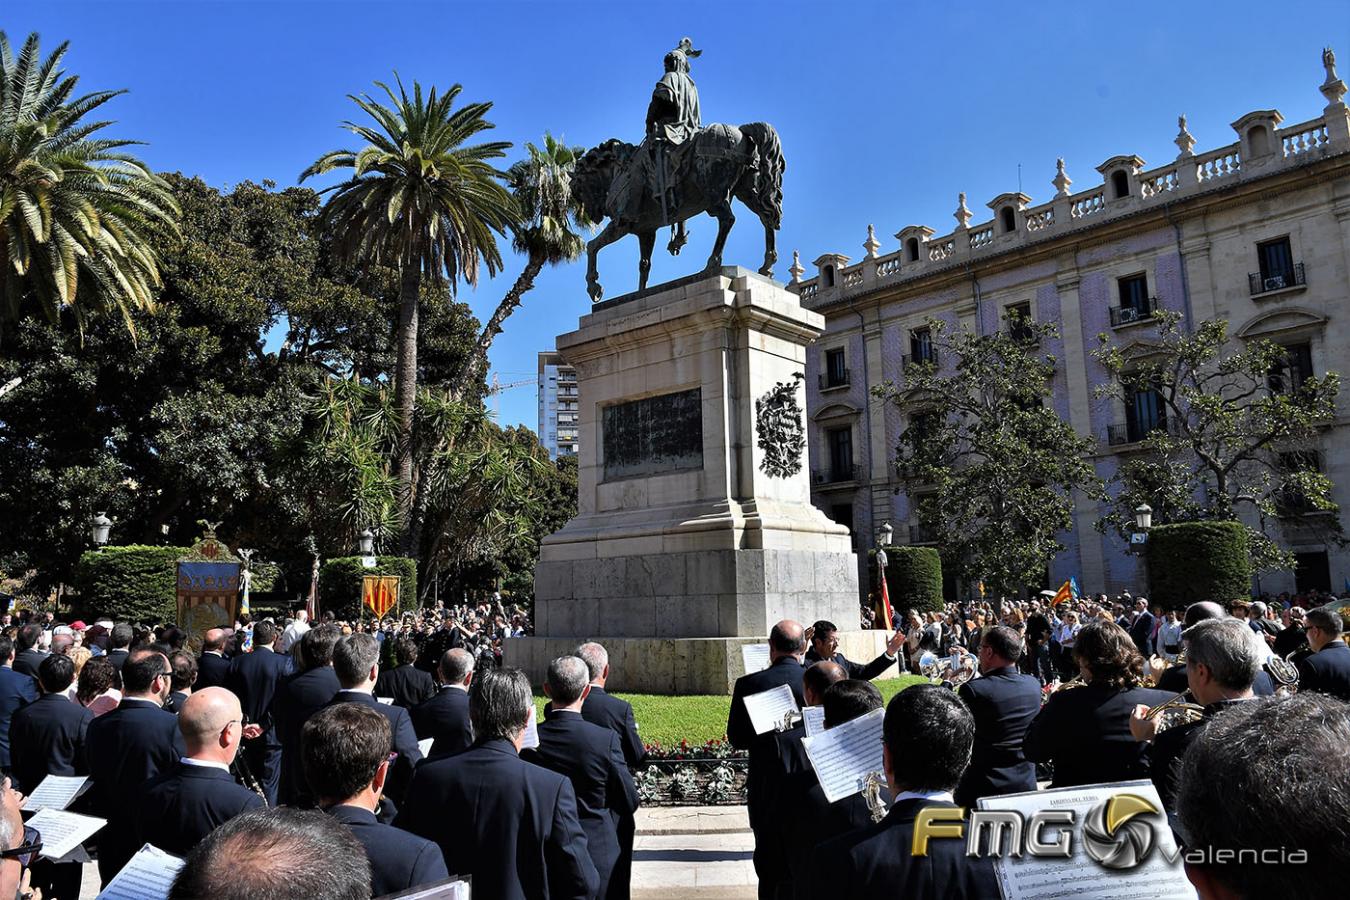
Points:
(679, 170)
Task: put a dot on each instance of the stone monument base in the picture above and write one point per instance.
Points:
(673, 666)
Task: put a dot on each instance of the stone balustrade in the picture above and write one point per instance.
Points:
(1262, 149)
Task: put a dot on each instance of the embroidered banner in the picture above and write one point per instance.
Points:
(208, 597)
(379, 593)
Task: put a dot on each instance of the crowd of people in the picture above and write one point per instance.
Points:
(333, 743)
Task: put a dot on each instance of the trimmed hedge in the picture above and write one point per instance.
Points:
(1193, 561)
(340, 584)
(130, 584)
(913, 578)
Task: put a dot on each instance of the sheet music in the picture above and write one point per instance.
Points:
(844, 755)
(149, 874)
(387, 701)
(425, 746)
(56, 792)
(813, 718)
(1079, 876)
(767, 708)
(531, 738)
(63, 831)
(755, 657)
(453, 888)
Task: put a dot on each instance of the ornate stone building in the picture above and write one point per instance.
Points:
(1256, 232)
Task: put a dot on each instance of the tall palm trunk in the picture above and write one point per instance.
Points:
(477, 363)
(405, 393)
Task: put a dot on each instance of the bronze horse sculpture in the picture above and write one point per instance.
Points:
(719, 163)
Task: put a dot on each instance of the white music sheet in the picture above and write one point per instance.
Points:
(63, 831)
(149, 874)
(755, 657)
(844, 755)
(767, 708)
(531, 738)
(813, 719)
(56, 792)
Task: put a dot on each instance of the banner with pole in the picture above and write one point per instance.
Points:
(208, 580)
(379, 593)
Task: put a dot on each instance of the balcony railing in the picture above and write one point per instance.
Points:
(1276, 282)
(1128, 315)
(830, 380)
(922, 534)
(914, 359)
(1131, 432)
(837, 475)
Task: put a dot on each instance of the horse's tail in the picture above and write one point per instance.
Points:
(769, 166)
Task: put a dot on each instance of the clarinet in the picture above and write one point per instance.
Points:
(245, 774)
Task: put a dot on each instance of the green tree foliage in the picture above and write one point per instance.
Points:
(989, 465)
(340, 584)
(81, 219)
(913, 579)
(1193, 561)
(1239, 441)
(131, 583)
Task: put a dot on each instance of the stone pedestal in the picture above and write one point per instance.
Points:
(683, 548)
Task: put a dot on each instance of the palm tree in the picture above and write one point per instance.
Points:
(423, 201)
(542, 186)
(78, 216)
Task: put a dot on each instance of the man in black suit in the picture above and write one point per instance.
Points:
(128, 746)
(1141, 628)
(253, 678)
(29, 657)
(511, 825)
(927, 739)
(1327, 671)
(176, 810)
(346, 752)
(356, 662)
(298, 697)
(591, 758)
(824, 637)
(445, 717)
(213, 669)
(1003, 703)
(604, 709)
(787, 644)
(119, 644)
(183, 681)
(405, 683)
(16, 691)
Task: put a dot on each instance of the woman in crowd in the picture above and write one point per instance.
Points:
(99, 686)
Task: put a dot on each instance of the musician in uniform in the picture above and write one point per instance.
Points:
(1327, 670)
(1084, 729)
(1003, 703)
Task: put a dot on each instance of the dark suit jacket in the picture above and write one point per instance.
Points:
(1141, 632)
(176, 701)
(877, 862)
(298, 697)
(445, 717)
(127, 747)
(786, 670)
(212, 671)
(1169, 747)
(604, 709)
(254, 677)
(27, 662)
(1003, 703)
(1085, 731)
(405, 741)
(118, 657)
(408, 685)
(47, 737)
(1173, 681)
(591, 758)
(1327, 671)
(16, 690)
(174, 811)
(511, 825)
(398, 860)
(854, 670)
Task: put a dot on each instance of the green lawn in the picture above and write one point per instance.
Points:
(703, 717)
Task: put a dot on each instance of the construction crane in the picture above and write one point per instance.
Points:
(498, 386)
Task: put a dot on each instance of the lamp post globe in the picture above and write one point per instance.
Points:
(367, 543)
(1143, 517)
(886, 533)
(100, 525)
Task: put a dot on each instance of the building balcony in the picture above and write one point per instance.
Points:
(922, 534)
(914, 359)
(837, 475)
(1129, 315)
(1277, 281)
(1131, 432)
(831, 380)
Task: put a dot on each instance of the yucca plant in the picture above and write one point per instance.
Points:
(79, 216)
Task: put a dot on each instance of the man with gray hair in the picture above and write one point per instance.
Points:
(591, 758)
(356, 662)
(1223, 657)
(513, 826)
(1327, 670)
(445, 717)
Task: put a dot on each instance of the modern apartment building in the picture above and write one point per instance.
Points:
(1256, 232)
(558, 410)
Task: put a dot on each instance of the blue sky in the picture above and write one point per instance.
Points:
(886, 110)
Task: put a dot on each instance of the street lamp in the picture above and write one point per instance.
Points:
(367, 543)
(1143, 517)
(101, 525)
(886, 532)
(884, 535)
(1143, 521)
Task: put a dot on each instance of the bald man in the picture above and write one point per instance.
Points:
(212, 666)
(176, 810)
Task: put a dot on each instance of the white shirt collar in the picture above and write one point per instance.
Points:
(945, 796)
(458, 686)
(203, 763)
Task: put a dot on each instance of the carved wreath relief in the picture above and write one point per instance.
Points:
(778, 420)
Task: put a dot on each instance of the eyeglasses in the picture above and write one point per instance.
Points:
(26, 852)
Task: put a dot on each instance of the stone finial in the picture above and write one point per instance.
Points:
(871, 245)
(796, 270)
(1184, 140)
(1333, 88)
(1062, 179)
(962, 214)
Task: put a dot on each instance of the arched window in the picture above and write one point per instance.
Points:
(1009, 219)
(1120, 183)
(1259, 140)
(912, 249)
(828, 274)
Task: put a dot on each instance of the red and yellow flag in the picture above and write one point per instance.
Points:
(887, 616)
(1065, 592)
(379, 593)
